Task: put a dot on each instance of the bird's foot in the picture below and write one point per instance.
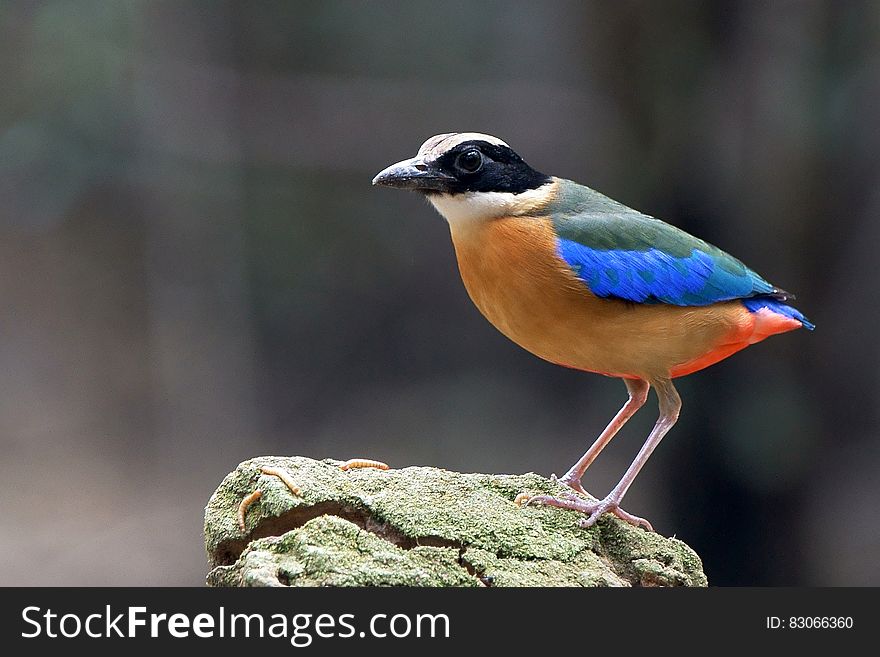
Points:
(568, 479)
(591, 508)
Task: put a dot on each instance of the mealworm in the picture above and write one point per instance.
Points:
(283, 475)
(353, 464)
(522, 497)
(245, 505)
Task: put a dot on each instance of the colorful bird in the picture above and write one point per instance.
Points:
(583, 281)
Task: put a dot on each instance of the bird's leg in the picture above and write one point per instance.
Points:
(670, 405)
(638, 393)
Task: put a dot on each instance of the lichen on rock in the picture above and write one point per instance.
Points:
(421, 526)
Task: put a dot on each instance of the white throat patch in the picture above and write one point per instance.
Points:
(470, 207)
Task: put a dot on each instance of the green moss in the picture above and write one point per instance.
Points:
(422, 527)
(330, 551)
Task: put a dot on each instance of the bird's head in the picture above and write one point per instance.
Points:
(467, 176)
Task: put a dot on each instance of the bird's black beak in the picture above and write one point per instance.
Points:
(414, 174)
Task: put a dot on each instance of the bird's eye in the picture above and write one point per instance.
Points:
(469, 161)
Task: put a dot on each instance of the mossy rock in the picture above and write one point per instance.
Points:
(422, 526)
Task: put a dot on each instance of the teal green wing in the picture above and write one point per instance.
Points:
(620, 253)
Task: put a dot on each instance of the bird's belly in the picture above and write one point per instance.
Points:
(513, 274)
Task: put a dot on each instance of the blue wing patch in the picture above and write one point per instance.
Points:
(654, 276)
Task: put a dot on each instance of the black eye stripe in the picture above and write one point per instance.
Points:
(497, 169)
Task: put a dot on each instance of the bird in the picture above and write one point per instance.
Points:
(583, 281)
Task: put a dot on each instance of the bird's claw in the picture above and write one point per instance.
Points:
(592, 509)
(635, 521)
(611, 507)
(524, 499)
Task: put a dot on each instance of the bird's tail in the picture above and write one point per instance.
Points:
(778, 315)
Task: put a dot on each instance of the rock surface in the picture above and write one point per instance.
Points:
(421, 526)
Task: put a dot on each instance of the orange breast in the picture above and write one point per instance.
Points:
(512, 272)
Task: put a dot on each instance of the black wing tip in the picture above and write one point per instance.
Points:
(781, 295)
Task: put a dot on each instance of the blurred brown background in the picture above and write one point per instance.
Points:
(195, 270)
